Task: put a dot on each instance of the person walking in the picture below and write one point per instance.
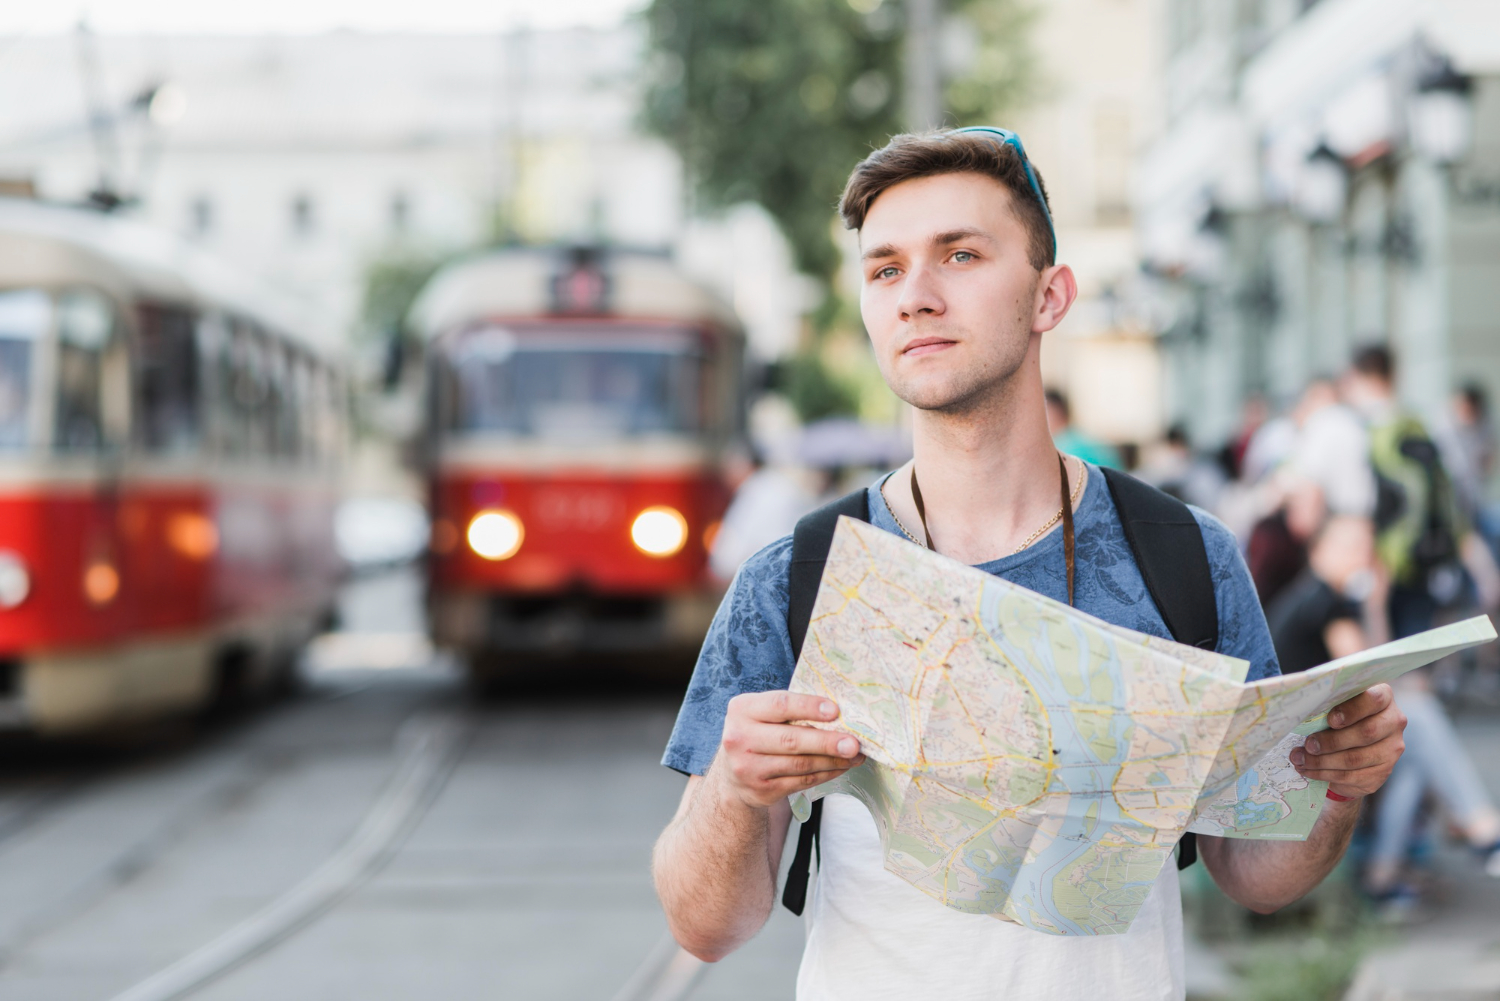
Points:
(959, 285)
(1070, 440)
(1425, 543)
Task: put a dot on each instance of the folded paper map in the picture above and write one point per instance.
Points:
(1034, 763)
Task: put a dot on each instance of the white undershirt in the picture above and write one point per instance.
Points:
(872, 935)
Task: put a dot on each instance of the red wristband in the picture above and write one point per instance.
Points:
(1338, 798)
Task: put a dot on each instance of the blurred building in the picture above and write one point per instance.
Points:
(305, 157)
(1327, 174)
(1096, 95)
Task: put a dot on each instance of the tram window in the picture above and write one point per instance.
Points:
(592, 391)
(282, 411)
(85, 325)
(25, 316)
(168, 379)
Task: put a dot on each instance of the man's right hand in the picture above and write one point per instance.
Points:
(764, 758)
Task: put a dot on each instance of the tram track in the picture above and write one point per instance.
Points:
(669, 973)
(434, 744)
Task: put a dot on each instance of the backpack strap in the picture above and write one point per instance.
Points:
(810, 543)
(1168, 547)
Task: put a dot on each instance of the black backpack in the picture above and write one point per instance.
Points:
(1168, 548)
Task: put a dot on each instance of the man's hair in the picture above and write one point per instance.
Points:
(1374, 360)
(908, 157)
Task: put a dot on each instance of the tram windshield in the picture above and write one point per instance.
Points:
(25, 317)
(574, 385)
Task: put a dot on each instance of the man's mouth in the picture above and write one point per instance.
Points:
(927, 346)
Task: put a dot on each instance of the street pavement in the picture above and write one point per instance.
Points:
(524, 872)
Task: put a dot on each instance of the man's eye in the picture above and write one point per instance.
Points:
(887, 272)
(962, 257)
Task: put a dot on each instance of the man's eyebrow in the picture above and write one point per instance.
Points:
(884, 250)
(958, 236)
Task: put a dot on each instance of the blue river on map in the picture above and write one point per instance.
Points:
(1080, 770)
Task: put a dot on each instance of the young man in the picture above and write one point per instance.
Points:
(960, 284)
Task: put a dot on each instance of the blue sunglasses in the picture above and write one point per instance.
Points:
(1009, 138)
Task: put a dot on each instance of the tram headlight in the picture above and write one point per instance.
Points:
(495, 535)
(659, 531)
(15, 581)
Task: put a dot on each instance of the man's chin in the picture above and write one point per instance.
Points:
(940, 398)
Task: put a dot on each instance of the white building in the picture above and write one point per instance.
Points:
(1327, 175)
(1096, 97)
(302, 158)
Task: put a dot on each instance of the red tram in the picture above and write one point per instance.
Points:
(580, 404)
(168, 463)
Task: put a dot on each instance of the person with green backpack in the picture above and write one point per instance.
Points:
(1426, 544)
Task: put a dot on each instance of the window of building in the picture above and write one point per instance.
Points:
(400, 213)
(304, 219)
(201, 216)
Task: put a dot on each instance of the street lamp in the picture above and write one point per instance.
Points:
(1442, 127)
(1322, 187)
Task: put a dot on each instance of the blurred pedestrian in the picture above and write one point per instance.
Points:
(1253, 416)
(1173, 467)
(1424, 541)
(1277, 550)
(1323, 613)
(1071, 441)
(1332, 449)
(1435, 761)
(765, 507)
(1424, 538)
(1467, 441)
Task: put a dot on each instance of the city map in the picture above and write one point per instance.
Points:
(1034, 763)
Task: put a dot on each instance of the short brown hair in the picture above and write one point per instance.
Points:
(946, 151)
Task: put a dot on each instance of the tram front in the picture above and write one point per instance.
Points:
(579, 408)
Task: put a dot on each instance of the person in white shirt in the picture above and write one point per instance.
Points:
(960, 283)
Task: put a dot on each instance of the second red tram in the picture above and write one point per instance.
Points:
(169, 450)
(580, 405)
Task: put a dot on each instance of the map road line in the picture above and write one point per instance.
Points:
(436, 742)
(669, 973)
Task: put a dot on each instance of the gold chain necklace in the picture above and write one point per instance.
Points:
(1072, 501)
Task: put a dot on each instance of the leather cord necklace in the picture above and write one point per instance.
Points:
(1065, 513)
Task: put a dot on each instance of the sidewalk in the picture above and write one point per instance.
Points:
(1454, 954)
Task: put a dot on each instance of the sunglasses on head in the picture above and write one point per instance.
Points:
(1009, 138)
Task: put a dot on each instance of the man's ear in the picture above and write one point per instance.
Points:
(1057, 288)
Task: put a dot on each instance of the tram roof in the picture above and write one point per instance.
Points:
(517, 283)
(44, 244)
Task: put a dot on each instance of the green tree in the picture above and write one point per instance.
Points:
(775, 101)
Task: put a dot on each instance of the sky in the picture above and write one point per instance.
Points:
(305, 16)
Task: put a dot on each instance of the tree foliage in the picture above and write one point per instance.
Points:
(774, 101)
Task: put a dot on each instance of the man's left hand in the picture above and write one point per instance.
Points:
(1356, 754)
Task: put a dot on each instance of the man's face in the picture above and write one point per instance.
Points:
(949, 297)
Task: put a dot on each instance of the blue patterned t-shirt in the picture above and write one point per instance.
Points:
(748, 648)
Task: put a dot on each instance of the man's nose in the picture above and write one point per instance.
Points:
(919, 294)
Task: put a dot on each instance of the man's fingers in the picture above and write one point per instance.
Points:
(770, 767)
(782, 707)
(742, 737)
(1353, 759)
(1365, 704)
(1359, 783)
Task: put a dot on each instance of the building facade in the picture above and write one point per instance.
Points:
(303, 158)
(1326, 175)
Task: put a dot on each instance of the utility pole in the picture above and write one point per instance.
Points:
(924, 72)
